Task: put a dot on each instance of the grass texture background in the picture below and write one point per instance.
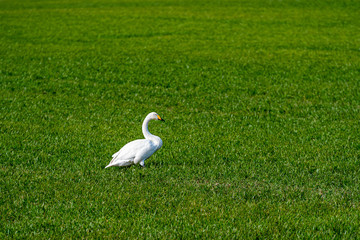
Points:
(262, 107)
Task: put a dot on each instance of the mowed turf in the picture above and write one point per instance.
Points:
(262, 107)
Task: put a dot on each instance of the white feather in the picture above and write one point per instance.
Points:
(139, 150)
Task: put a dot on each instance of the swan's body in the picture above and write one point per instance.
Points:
(139, 150)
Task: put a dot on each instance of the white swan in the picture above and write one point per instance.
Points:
(139, 150)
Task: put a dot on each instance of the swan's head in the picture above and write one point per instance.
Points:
(154, 116)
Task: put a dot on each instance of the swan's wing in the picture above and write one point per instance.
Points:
(122, 149)
(129, 151)
(114, 155)
(145, 152)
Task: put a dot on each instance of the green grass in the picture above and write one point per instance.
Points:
(262, 107)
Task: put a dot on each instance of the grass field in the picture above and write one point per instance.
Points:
(262, 107)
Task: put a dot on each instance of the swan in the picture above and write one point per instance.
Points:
(139, 150)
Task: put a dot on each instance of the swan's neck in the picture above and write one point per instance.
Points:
(155, 139)
(145, 129)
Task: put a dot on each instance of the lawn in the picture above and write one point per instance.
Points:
(262, 107)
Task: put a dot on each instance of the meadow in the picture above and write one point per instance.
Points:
(262, 107)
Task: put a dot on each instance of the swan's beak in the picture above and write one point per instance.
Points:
(160, 118)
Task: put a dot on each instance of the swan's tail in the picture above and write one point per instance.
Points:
(110, 165)
(121, 163)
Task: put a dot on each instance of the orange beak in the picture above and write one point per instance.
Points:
(160, 118)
